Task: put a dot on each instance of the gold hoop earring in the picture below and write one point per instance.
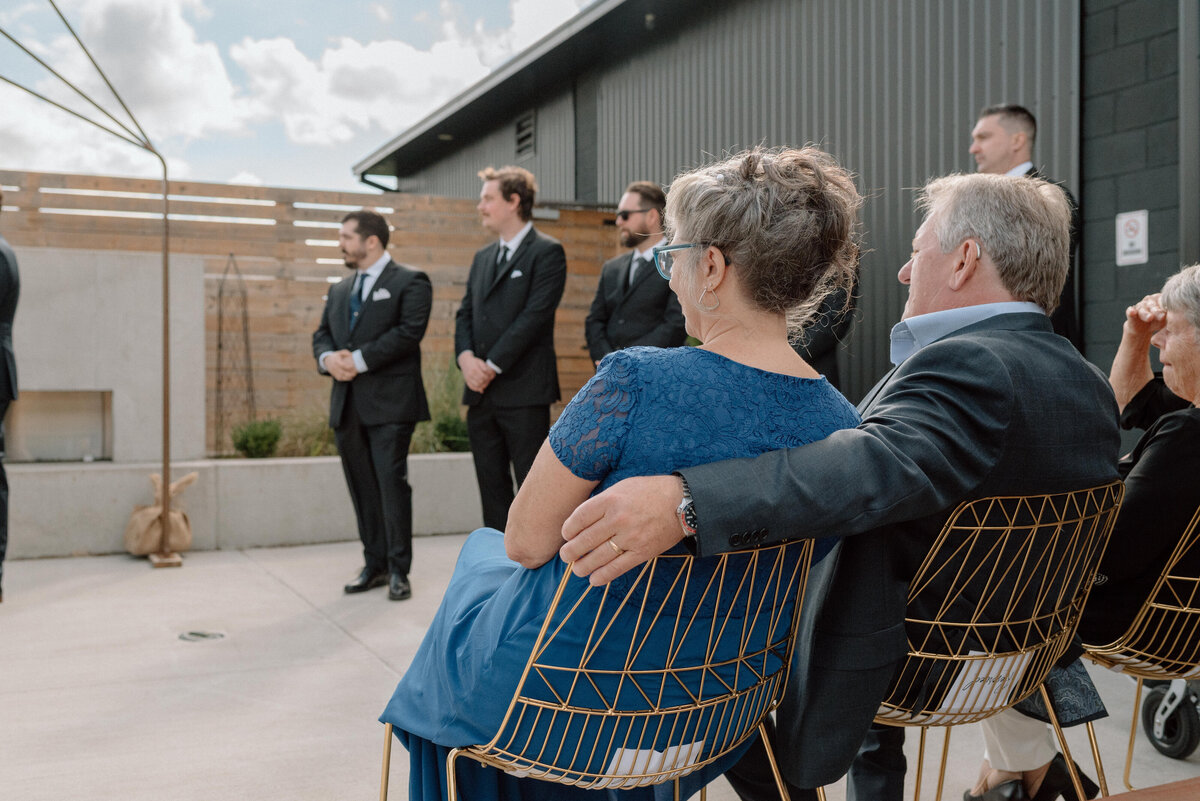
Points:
(700, 300)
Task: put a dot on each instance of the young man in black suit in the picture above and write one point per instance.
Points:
(369, 340)
(1002, 144)
(984, 400)
(504, 338)
(10, 289)
(633, 305)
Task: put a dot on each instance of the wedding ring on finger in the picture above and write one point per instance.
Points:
(616, 548)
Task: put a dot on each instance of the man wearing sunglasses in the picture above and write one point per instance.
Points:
(633, 306)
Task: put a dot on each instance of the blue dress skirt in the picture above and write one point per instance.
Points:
(647, 411)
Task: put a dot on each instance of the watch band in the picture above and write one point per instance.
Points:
(686, 511)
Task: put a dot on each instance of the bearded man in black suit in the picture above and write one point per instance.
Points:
(10, 289)
(369, 340)
(984, 400)
(504, 338)
(632, 306)
(1002, 144)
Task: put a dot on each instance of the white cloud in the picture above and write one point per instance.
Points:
(246, 178)
(381, 12)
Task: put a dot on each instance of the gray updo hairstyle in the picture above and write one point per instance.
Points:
(785, 219)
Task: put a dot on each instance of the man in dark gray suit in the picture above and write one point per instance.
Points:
(369, 340)
(1002, 144)
(504, 339)
(984, 400)
(632, 305)
(10, 289)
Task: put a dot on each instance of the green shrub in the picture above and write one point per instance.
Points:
(447, 431)
(307, 433)
(258, 438)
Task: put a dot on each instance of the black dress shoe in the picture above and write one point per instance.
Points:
(1058, 782)
(366, 580)
(1013, 790)
(398, 587)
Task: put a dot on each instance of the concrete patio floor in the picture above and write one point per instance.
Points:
(100, 698)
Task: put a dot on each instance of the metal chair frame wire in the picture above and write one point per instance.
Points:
(1163, 641)
(994, 605)
(662, 674)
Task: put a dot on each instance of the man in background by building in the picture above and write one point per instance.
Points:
(10, 288)
(633, 304)
(1002, 144)
(504, 338)
(369, 340)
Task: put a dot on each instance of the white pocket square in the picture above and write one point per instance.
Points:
(516, 274)
(380, 294)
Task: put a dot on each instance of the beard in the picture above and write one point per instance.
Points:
(633, 239)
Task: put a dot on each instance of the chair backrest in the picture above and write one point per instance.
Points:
(1163, 641)
(996, 602)
(657, 674)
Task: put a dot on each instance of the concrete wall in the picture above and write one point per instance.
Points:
(92, 320)
(69, 509)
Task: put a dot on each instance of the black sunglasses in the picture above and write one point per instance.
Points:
(626, 214)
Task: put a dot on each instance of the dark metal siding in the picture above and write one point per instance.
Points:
(553, 162)
(891, 87)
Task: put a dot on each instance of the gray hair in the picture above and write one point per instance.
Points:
(785, 220)
(1023, 223)
(1181, 294)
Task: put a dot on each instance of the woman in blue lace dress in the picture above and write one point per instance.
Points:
(758, 239)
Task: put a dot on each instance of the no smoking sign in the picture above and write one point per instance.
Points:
(1133, 240)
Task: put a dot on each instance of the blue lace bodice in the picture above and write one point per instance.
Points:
(650, 411)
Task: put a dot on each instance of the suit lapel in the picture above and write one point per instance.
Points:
(513, 259)
(623, 279)
(339, 309)
(385, 276)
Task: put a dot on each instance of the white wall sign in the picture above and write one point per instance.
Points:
(1133, 240)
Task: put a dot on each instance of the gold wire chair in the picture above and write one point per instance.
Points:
(1163, 641)
(679, 664)
(994, 605)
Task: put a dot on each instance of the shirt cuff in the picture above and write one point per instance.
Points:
(321, 361)
(359, 363)
(492, 365)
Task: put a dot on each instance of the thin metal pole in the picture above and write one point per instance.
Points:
(164, 549)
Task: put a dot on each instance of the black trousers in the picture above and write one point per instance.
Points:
(877, 773)
(504, 441)
(375, 461)
(3, 496)
(752, 780)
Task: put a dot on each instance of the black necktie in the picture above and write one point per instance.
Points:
(501, 260)
(634, 266)
(356, 297)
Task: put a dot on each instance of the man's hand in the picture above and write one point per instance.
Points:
(340, 365)
(1146, 317)
(637, 515)
(476, 372)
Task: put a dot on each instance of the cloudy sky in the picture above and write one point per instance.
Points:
(274, 92)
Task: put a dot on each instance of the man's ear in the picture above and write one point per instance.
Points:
(967, 257)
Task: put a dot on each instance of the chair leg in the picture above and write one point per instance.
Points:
(920, 765)
(1091, 731)
(820, 794)
(387, 761)
(1062, 742)
(451, 784)
(942, 768)
(1137, 705)
(783, 793)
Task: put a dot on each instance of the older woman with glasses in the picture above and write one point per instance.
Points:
(758, 239)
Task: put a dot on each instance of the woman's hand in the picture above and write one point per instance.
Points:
(1144, 318)
(637, 516)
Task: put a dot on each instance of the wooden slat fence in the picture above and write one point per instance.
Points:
(285, 244)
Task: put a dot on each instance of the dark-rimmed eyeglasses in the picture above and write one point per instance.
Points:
(625, 214)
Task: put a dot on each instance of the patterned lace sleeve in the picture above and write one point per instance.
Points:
(589, 435)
